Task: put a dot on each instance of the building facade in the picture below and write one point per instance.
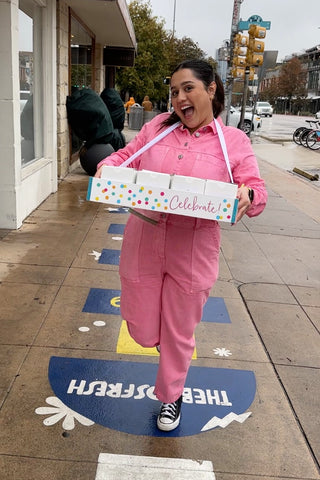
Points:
(48, 48)
(310, 60)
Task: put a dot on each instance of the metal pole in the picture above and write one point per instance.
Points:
(234, 30)
(244, 97)
(174, 19)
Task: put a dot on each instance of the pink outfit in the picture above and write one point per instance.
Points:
(168, 269)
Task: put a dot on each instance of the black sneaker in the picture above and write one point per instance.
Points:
(169, 416)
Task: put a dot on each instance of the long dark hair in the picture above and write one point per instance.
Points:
(203, 71)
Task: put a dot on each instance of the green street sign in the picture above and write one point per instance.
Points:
(253, 20)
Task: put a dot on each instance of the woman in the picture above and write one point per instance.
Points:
(170, 262)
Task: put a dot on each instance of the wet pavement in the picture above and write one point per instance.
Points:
(65, 355)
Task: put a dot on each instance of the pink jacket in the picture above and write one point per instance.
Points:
(197, 155)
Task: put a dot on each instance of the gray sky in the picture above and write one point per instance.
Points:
(294, 23)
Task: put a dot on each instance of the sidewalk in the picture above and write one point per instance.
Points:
(257, 349)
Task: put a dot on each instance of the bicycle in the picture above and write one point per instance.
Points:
(300, 134)
(313, 139)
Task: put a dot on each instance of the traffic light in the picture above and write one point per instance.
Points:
(239, 55)
(248, 51)
(239, 61)
(251, 73)
(255, 50)
(241, 40)
(238, 72)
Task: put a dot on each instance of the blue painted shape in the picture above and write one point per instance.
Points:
(110, 257)
(215, 311)
(119, 395)
(99, 301)
(116, 228)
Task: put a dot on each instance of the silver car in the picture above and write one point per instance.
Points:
(264, 108)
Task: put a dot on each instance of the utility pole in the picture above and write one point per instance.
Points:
(234, 30)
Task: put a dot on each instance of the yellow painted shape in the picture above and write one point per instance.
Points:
(126, 345)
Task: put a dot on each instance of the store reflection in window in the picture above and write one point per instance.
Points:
(30, 89)
(26, 87)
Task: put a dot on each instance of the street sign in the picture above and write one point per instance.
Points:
(253, 20)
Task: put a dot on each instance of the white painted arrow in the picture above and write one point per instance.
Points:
(225, 421)
(95, 254)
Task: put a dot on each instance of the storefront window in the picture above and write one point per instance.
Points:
(30, 85)
(82, 44)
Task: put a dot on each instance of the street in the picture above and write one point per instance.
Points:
(282, 126)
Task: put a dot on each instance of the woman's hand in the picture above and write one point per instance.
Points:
(98, 172)
(244, 202)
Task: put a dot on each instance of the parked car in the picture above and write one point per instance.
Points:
(264, 109)
(248, 126)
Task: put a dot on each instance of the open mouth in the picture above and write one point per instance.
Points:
(187, 112)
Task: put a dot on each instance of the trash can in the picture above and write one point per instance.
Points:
(136, 117)
(147, 116)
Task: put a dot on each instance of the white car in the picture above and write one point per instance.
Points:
(264, 108)
(248, 126)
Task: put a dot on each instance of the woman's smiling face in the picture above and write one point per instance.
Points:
(191, 100)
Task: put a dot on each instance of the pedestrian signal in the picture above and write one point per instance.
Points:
(254, 59)
(257, 32)
(239, 61)
(241, 40)
(238, 72)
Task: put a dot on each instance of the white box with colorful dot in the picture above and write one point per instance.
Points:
(188, 184)
(153, 179)
(218, 203)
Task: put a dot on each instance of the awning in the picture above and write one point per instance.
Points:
(312, 97)
(109, 20)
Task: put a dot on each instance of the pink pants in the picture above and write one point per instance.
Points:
(166, 273)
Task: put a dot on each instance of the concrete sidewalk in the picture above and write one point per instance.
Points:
(268, 294)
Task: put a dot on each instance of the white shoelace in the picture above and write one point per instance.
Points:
(169, 410)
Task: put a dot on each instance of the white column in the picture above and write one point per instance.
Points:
(10, 157)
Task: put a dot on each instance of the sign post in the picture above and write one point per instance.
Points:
(234, 29)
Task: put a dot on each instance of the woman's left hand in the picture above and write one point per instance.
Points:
(244, 202)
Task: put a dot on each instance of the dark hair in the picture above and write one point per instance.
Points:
(203, 71)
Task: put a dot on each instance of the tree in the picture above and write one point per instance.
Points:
(157, 55)
(151, 63)
(292, 82)
(184, 49)
(270, 94)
